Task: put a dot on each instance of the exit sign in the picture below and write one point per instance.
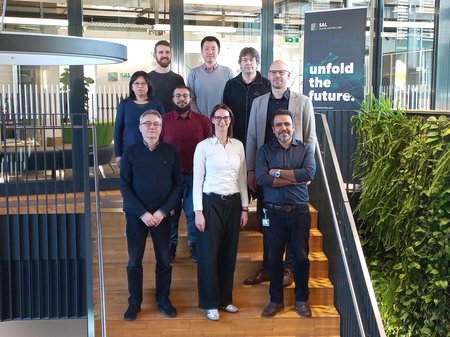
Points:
(292, 39)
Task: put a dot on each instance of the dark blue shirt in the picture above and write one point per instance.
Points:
(298, 157)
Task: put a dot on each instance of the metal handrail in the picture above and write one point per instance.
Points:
(99, 236)
(331, 197)
(339, 238)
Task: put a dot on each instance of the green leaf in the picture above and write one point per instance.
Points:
(414, 265)
(441, 284)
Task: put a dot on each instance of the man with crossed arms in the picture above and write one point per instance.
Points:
(260, 132)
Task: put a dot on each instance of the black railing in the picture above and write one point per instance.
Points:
(340, 126)
(38, 156)
(46, 237)
(354, 295)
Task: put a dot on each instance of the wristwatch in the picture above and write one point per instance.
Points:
(277, 174)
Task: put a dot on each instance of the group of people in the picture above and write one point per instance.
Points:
(206, 148)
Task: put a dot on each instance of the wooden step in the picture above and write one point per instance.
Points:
(185, 293)
(248, 264)
(249, 241)
(113, 219)
(191, 321)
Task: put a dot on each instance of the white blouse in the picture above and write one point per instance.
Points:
(220, 170)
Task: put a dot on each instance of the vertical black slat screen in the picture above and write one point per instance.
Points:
(83, 263)
(25, 266)
(43, 266)
(5, 271)
(53, 271)
(15, 267)
(72, 270)
(34, 265)
(62, 264)
(44, 263)
(25, 284)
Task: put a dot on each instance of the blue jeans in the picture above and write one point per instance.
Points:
(137, 233)
(188, 207)
(288, 227)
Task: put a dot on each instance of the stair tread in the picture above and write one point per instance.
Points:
(314, 282)
(181, 260)
(120, 235)
(191, 321)
(149, 312)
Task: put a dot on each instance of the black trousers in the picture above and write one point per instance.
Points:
(289, 258)
(137, 233)
(288, 227)
(217, 250)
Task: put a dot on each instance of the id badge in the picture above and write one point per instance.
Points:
(265, 221)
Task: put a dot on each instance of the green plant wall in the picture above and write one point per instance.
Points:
(404, 212)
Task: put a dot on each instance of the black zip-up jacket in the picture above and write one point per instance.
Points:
(239, 97)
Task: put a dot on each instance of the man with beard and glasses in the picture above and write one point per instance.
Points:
(284, 166)
(162, 79)
(184, 129)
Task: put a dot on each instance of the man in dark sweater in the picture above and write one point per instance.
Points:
(163, 80)
(150, 185)
(241, 90)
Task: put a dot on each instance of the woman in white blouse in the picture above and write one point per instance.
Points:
(221, 207)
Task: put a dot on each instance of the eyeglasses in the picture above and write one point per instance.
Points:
(222, 118)
(245, 59)
(285, 124)
(140, 84)
(150, 124)
(280, 72)
(178, 96)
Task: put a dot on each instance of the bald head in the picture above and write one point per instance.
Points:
(278, 64)
(279, 75)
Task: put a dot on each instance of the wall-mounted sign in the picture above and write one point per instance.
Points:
(112, 77)
(125, 76)
(291, 39)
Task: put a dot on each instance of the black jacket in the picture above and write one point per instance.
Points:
(239, 97)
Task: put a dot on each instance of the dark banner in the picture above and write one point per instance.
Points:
(334, 51)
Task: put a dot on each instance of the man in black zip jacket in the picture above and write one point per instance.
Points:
(241, 90)
(150, 183)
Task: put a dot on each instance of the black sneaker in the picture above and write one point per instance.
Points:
(167, 308)
(172, 252)
(193, 251)
(131, 313)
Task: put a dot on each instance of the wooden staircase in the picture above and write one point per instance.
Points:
(191, 321)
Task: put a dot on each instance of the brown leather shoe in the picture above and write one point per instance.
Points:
(288, 277)
(261, 276)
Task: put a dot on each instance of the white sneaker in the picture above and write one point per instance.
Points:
(213, 314)
(230, 308)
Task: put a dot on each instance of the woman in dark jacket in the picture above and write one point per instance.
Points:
(126, 129)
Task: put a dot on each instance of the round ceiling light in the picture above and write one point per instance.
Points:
(38, 49)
